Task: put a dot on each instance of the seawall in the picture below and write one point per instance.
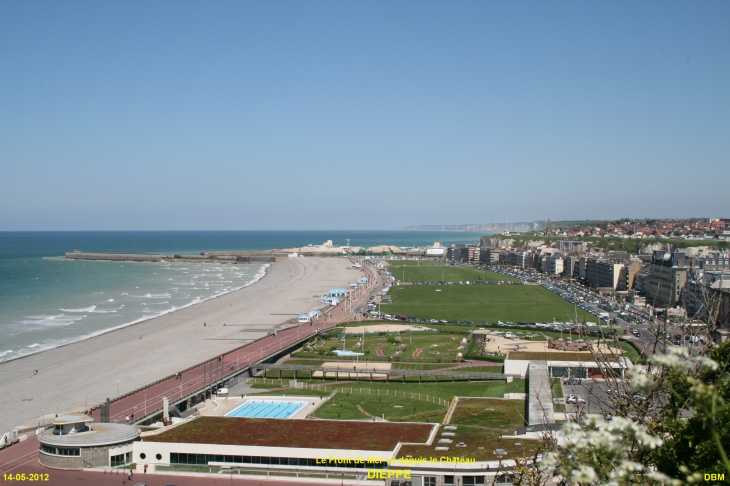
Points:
(218, 257)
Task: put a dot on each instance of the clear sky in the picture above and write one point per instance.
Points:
(360, 115)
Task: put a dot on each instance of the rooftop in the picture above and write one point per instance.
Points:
(314, 434)
(75, 418)
(557, 356)
(99, 434)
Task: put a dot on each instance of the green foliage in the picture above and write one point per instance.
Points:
(698, 443)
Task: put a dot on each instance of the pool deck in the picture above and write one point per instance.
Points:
(222, 406)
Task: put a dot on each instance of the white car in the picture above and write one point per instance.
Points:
(574, 399)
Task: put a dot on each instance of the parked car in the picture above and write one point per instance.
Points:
(574, 399)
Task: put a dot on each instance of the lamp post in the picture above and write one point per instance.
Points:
(145, 404)
(86, 402)
(43, 416)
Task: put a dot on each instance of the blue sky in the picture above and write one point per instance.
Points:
(360, 115)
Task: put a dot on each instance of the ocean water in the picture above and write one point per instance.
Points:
(47, 301)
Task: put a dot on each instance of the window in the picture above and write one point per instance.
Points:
(158, 457)
(204, 459)
(472, 480)
(142, 455)
(119, 460)
(449, 480)
(60, 451)
(429, 481)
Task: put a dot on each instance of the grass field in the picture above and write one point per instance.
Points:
(358, 406)
(480, 444)
(483, 369)
(444, 390)
(435, 347)
(430, 271)
(477, 303)
(485, 412)
(412, 366)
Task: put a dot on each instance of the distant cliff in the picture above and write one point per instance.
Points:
(691, 248)
(486, 228)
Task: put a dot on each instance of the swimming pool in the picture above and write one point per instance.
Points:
(347, 352)
(267, 409)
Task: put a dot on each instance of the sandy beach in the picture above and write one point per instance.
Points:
(142, 353)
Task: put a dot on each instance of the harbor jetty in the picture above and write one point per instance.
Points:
(204, 257)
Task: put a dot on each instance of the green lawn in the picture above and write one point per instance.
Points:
(412, 366)
(485, 412)
(435, 347)
(480, 443)
(478, 303)
(305, 362)
(430, 271)
(557, 387)
(630, 352)
(358, 406)
(482, 369)
(445, 390)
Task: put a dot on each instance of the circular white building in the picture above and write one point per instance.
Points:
(75, 443)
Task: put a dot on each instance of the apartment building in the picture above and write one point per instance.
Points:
(667, 277)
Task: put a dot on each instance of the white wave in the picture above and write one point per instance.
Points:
(125, 293)
(60, 320)
(62, 342)
(93, 310)
(85, 309)
(34, 345)
(3, 353)
(107, 311)
(160, 303)
(110, 300)
(152, 296)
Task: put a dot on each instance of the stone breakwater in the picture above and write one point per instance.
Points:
(233, 257)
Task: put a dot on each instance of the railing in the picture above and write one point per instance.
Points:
(364, 372)
(89, 437)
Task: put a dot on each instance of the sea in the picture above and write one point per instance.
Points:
(47, 301)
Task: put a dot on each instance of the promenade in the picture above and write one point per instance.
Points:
(82, 375)
(148, 400)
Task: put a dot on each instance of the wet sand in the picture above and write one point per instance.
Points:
(142, 353)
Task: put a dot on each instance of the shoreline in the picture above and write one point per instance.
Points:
(116, 362)
(260, 274)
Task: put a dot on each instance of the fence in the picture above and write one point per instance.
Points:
(385, 392)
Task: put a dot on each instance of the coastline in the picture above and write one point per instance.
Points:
(87, 372)
(261, 273)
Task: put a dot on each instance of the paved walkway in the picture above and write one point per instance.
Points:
(540, 401)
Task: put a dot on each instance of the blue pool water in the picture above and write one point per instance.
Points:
(347, 352)
(267, 409)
